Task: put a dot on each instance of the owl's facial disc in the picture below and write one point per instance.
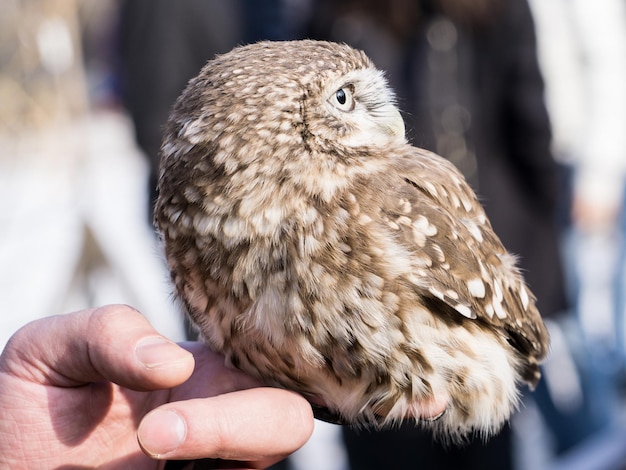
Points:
(364, 104)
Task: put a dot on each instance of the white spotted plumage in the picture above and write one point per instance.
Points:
(320, 252)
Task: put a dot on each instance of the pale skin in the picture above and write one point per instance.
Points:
(101, 388)
(590, 216)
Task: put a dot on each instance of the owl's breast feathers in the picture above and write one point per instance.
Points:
(407, 224)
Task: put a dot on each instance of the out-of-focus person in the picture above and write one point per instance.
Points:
(582, 49)
(67, 240)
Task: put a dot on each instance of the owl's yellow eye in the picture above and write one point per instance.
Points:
(343, 98)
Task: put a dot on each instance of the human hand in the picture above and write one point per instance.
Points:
(101, 388)
(592, 216)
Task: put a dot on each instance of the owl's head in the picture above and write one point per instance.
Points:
(285, 101)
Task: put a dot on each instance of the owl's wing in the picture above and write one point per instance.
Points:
(459, 266)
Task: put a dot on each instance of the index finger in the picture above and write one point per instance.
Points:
(254, 425)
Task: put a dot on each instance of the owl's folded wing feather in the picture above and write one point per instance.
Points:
(460, 266)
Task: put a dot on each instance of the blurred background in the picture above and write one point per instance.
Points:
(526, 97)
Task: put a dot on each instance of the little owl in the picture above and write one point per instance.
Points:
(319, 251)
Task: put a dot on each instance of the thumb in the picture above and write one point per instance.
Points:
(114, 343)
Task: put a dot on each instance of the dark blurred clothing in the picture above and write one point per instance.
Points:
(472, 91)
(405, 449)
(162, 45)
(265, 20)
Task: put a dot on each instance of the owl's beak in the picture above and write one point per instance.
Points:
(393, 124)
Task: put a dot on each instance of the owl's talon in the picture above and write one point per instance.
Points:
(437, 417)
(324, 414)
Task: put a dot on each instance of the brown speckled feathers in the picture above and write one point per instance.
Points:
(319, 251)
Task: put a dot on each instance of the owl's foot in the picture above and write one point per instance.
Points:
(324, 414)
(431, 410)
(428, 411)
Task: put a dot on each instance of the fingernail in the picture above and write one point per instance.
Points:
(156, 351)
(161, 432)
